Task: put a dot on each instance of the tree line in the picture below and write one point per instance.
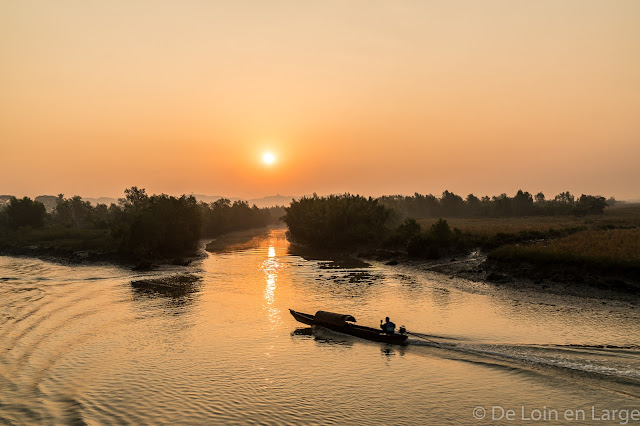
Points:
(146, 226)
(141, 226)
(521, 204)
(349, 221)
(343, 221)
(336, 220)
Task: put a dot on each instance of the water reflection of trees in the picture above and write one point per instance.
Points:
(327, 259)
(174, 293)
(338, 274)
(348, 283)
(244, 240)
(218, 246)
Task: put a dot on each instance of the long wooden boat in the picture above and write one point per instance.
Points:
(342, 323)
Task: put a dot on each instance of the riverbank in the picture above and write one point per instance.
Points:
(70, 256)
(61, 245)
(140, 231)
(561, 254)
(75, 247)
(558, 278)
(81, 246)
(593, 250)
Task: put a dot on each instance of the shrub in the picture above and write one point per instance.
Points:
(25, 212)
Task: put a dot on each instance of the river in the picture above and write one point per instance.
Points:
(214, 343)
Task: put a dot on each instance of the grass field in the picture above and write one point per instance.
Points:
(623, 216)
(605, 249)
(608, 242)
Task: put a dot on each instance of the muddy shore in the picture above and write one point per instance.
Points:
(558, 279)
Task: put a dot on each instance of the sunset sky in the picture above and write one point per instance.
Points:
(369, 97)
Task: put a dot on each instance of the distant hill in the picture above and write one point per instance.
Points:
(4, 200)
(269, 201)
(272, 200)
(49, 201)
(102, 200)
(207, 198)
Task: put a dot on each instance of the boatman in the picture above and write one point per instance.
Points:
(388, 327)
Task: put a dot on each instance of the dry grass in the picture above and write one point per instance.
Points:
(615, 249)
(606, 247)
(625, 216)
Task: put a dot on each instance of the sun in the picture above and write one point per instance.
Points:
(268, 158)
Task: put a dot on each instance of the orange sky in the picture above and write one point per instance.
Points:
(370, 97)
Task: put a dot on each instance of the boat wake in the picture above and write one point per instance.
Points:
(617, 365)
(609, 366)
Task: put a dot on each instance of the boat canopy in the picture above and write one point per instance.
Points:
(333, 318)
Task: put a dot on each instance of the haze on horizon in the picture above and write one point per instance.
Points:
(368, 97)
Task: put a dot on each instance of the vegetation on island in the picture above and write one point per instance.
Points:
(140, 227)
(337, 220)
(348, 220)
(522, 229)
(587, 232)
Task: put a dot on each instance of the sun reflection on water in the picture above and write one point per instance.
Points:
(271, 266)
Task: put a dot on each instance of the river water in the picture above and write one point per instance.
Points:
(214, 343)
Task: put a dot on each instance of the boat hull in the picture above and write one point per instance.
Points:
(367, 333)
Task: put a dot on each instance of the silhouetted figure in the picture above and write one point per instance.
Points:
(388, 327)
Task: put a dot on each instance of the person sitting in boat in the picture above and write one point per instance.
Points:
(388, 327)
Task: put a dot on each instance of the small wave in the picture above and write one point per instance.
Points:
(437, 336)
(603, 346)
(418, 342)
(585, 362)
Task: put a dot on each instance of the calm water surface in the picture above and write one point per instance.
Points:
(215, 343)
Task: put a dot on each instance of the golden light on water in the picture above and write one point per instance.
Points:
(271, 266)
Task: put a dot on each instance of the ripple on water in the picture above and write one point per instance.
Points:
(215, 344)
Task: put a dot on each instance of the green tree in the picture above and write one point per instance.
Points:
(522, 204)
(73, 212)
(135, 197)
(588, 204)
(451, 204)
(408, 229)
(565, 198)
(157, 226)
(25, 212)
(342, 220)
(473, 205)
